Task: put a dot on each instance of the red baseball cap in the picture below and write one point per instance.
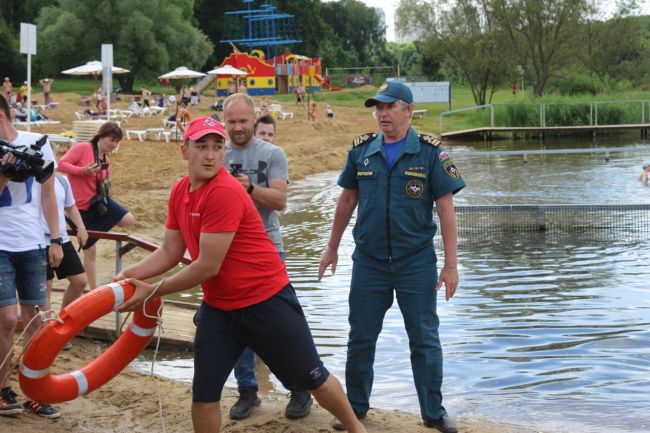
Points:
(202, 126)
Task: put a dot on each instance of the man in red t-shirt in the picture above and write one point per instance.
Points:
(247, 298)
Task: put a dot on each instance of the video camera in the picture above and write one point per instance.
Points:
(236, 168)
(29, 162)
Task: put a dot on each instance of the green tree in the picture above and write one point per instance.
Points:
(408, 57)
(209, 15)
(619, 49)
(12, 63)
(467, 40)
(545, 36)
(22, 11)
(149, 37)
(358, 30)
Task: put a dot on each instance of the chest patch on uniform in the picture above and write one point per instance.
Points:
(411, 173)
(414, 188)
(365, 173)
(451, 169)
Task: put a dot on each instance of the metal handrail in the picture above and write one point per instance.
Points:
(131, 242)
(525, 153)
(460, 110)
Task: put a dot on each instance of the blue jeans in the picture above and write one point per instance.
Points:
(22, 272)
(245, 367)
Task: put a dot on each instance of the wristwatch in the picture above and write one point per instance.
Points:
(250, 189)
(58, 241)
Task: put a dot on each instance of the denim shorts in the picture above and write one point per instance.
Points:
(22, 272)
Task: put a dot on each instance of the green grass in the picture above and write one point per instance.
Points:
(518, 110)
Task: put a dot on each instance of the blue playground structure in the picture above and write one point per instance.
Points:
(262, 28)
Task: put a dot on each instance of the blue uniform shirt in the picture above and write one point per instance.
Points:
(395, 210)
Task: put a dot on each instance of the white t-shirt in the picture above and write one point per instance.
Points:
(64, 199)
(21, 213)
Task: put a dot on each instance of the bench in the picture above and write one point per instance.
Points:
(141, 134)
(419, 113)
(159, 133)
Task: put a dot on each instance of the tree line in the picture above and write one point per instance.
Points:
(151, 37)
(556, 46)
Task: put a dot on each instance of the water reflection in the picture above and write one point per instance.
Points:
(550, 330)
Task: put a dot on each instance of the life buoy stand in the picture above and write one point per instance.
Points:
(35, 378)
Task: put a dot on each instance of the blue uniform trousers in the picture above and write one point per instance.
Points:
(413, 281)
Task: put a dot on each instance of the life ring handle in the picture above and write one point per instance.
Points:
(35, 378)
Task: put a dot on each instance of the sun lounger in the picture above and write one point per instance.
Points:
(141, 134)
(37, 123)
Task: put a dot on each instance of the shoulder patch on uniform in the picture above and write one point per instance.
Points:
(425, 138)
(363, 139)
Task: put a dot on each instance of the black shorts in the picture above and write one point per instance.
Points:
(70, 265)
(103, 223)
(276, 330)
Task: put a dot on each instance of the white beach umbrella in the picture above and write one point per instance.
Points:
(227, 70)
(92, 68)
(181, 73)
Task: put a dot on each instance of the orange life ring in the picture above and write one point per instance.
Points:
(39, 384)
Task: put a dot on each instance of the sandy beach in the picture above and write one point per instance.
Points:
(130, 404)
(143, 173)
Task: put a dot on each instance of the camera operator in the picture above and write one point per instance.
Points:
(22, 254)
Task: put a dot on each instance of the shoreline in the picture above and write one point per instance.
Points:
(129, 403)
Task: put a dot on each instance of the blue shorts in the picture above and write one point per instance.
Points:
(276, 329)
(22, 272)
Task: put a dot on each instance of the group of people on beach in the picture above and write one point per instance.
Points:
(17, 101)
(224, 209)
(249, 305)
(33, 227)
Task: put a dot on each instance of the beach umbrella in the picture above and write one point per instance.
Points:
(93, 68)
(181, 73)
(227, 70)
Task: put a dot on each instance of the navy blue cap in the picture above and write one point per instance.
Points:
(389, 92)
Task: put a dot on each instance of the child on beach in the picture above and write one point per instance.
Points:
(329, 111)
(311, 110)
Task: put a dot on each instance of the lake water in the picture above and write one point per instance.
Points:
(545, 331)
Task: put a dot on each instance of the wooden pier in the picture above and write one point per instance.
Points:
(178, 327)
(487, 132)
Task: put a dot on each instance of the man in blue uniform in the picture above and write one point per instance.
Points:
(395, 177)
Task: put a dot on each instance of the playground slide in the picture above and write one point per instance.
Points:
(205, 82)
(327, 85)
